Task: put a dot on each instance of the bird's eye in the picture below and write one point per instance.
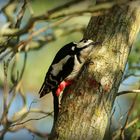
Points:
(85, 41)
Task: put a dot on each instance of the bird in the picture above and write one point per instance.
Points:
(64, 68)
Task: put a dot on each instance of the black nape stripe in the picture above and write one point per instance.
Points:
(78, 58)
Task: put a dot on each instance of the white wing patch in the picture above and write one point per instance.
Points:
(56, 68)
(73, 48)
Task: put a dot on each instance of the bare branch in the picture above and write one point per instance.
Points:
(51, 15)
(44, 135)
(57, 23)
(129, 75)
(5, 92)
(33, 119)
(128, 115)
(110, 121)
(24, 66)
(128, 91)
(135, 67)
(23, 113)
(132, 122)
(15, 129)
(8, 10)
(21, 14)
(95, 10)
(126, 125)
(7, 4)
(45, 16)
(22, 45)
(5, 54)
(66, 5)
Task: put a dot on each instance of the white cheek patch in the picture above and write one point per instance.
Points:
(56, 68)
(83, 44)
(85, 52)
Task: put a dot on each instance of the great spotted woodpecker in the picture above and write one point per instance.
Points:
(65, 67)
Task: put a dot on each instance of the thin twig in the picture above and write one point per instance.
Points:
(128, 91)
(132, 122)
(5, 92)
(95, 9)
(45, 16)
(110, 122)
(33, 119)
(24, 66)
(7, 4)
(51, 15)
(66, 5)
(135, 67)
(21, 14)
(15, 129)
(5, 54)
(129, 75)
(7, 13)
(18, 83)
(21, 45)
(127, 117)
(59, 22)
(43, 135)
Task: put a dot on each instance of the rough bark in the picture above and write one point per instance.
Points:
(87, 104)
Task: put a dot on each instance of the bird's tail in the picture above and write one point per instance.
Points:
(45, 89)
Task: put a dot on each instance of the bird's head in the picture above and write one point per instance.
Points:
(84, 43)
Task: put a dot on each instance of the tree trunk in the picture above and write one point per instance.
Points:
(86, 105)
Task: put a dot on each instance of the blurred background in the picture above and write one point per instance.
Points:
(54, 34)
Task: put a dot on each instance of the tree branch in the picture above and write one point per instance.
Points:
(45, 16)
(127, 92)
(51, 14)
(129, 75)
(32, 119)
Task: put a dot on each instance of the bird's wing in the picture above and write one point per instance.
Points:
(56, 74)
(59, 69)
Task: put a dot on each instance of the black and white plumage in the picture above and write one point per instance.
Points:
(66, 64)
(65, 67)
